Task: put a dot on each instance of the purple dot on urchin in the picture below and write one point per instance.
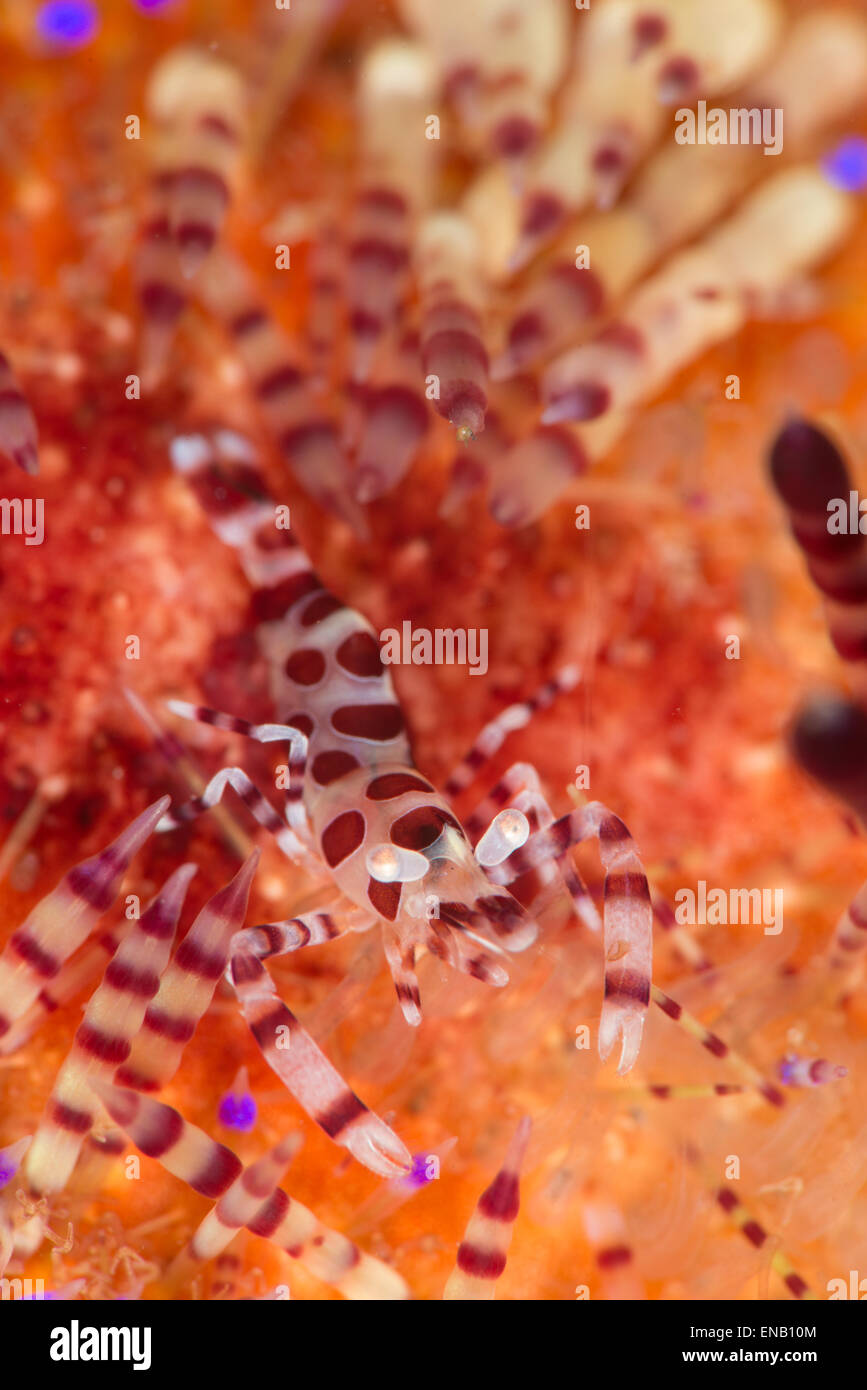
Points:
(846, 166)
(237, 1112)
(418, 1173)
(67, 23)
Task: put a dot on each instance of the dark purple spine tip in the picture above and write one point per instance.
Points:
(807, 468)
(515, 137)
(542, 213)
(829, 741)
(679, 80)
(648, 30)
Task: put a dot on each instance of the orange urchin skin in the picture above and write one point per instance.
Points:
(684, 744)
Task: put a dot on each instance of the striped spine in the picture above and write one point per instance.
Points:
(197, 103)
(256, 1202)
(59, 924)
(104, 1039)
(247, 1197)
(73, 976)
(631, 61)
(307, 439)
(498, 64)
(627, 918)
(850, 934)
(394, 424)
(536, 471)
(160, 1132)
(810, 474)
(491, 738)
(523, 58)
(394, 98)
(187, 986)
(758, 1237)
(241, 1202)
(160, 286)
(699, 298)
(678, 1092)
(683, 189)
(453, 353)
(716, 1046)
(613, 1255)
(686, 946)
(305, 1070)
(482, 1252)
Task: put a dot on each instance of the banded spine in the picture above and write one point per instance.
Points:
(394, 98)
(104, 1039)
(850, 934)
(306, 1072)
(449, 273)
(809, 473)
(700, 1091)
(327, 1254)
(305, 435)
(72, 977)
(160, 1132)
(248, 1197)
(715, 1045)
(160, 287)
(394, 422)
(251, 1189)
(499, 65)
(682, 190)
(482, 1253)
(753, 1231)
(187, 986)
(196, 101)
(63, 919)
(631, 61)
(613, 1255)
(699, 298)
(627, 918)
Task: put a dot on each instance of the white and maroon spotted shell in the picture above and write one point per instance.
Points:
(355, 811)
(327, 680)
